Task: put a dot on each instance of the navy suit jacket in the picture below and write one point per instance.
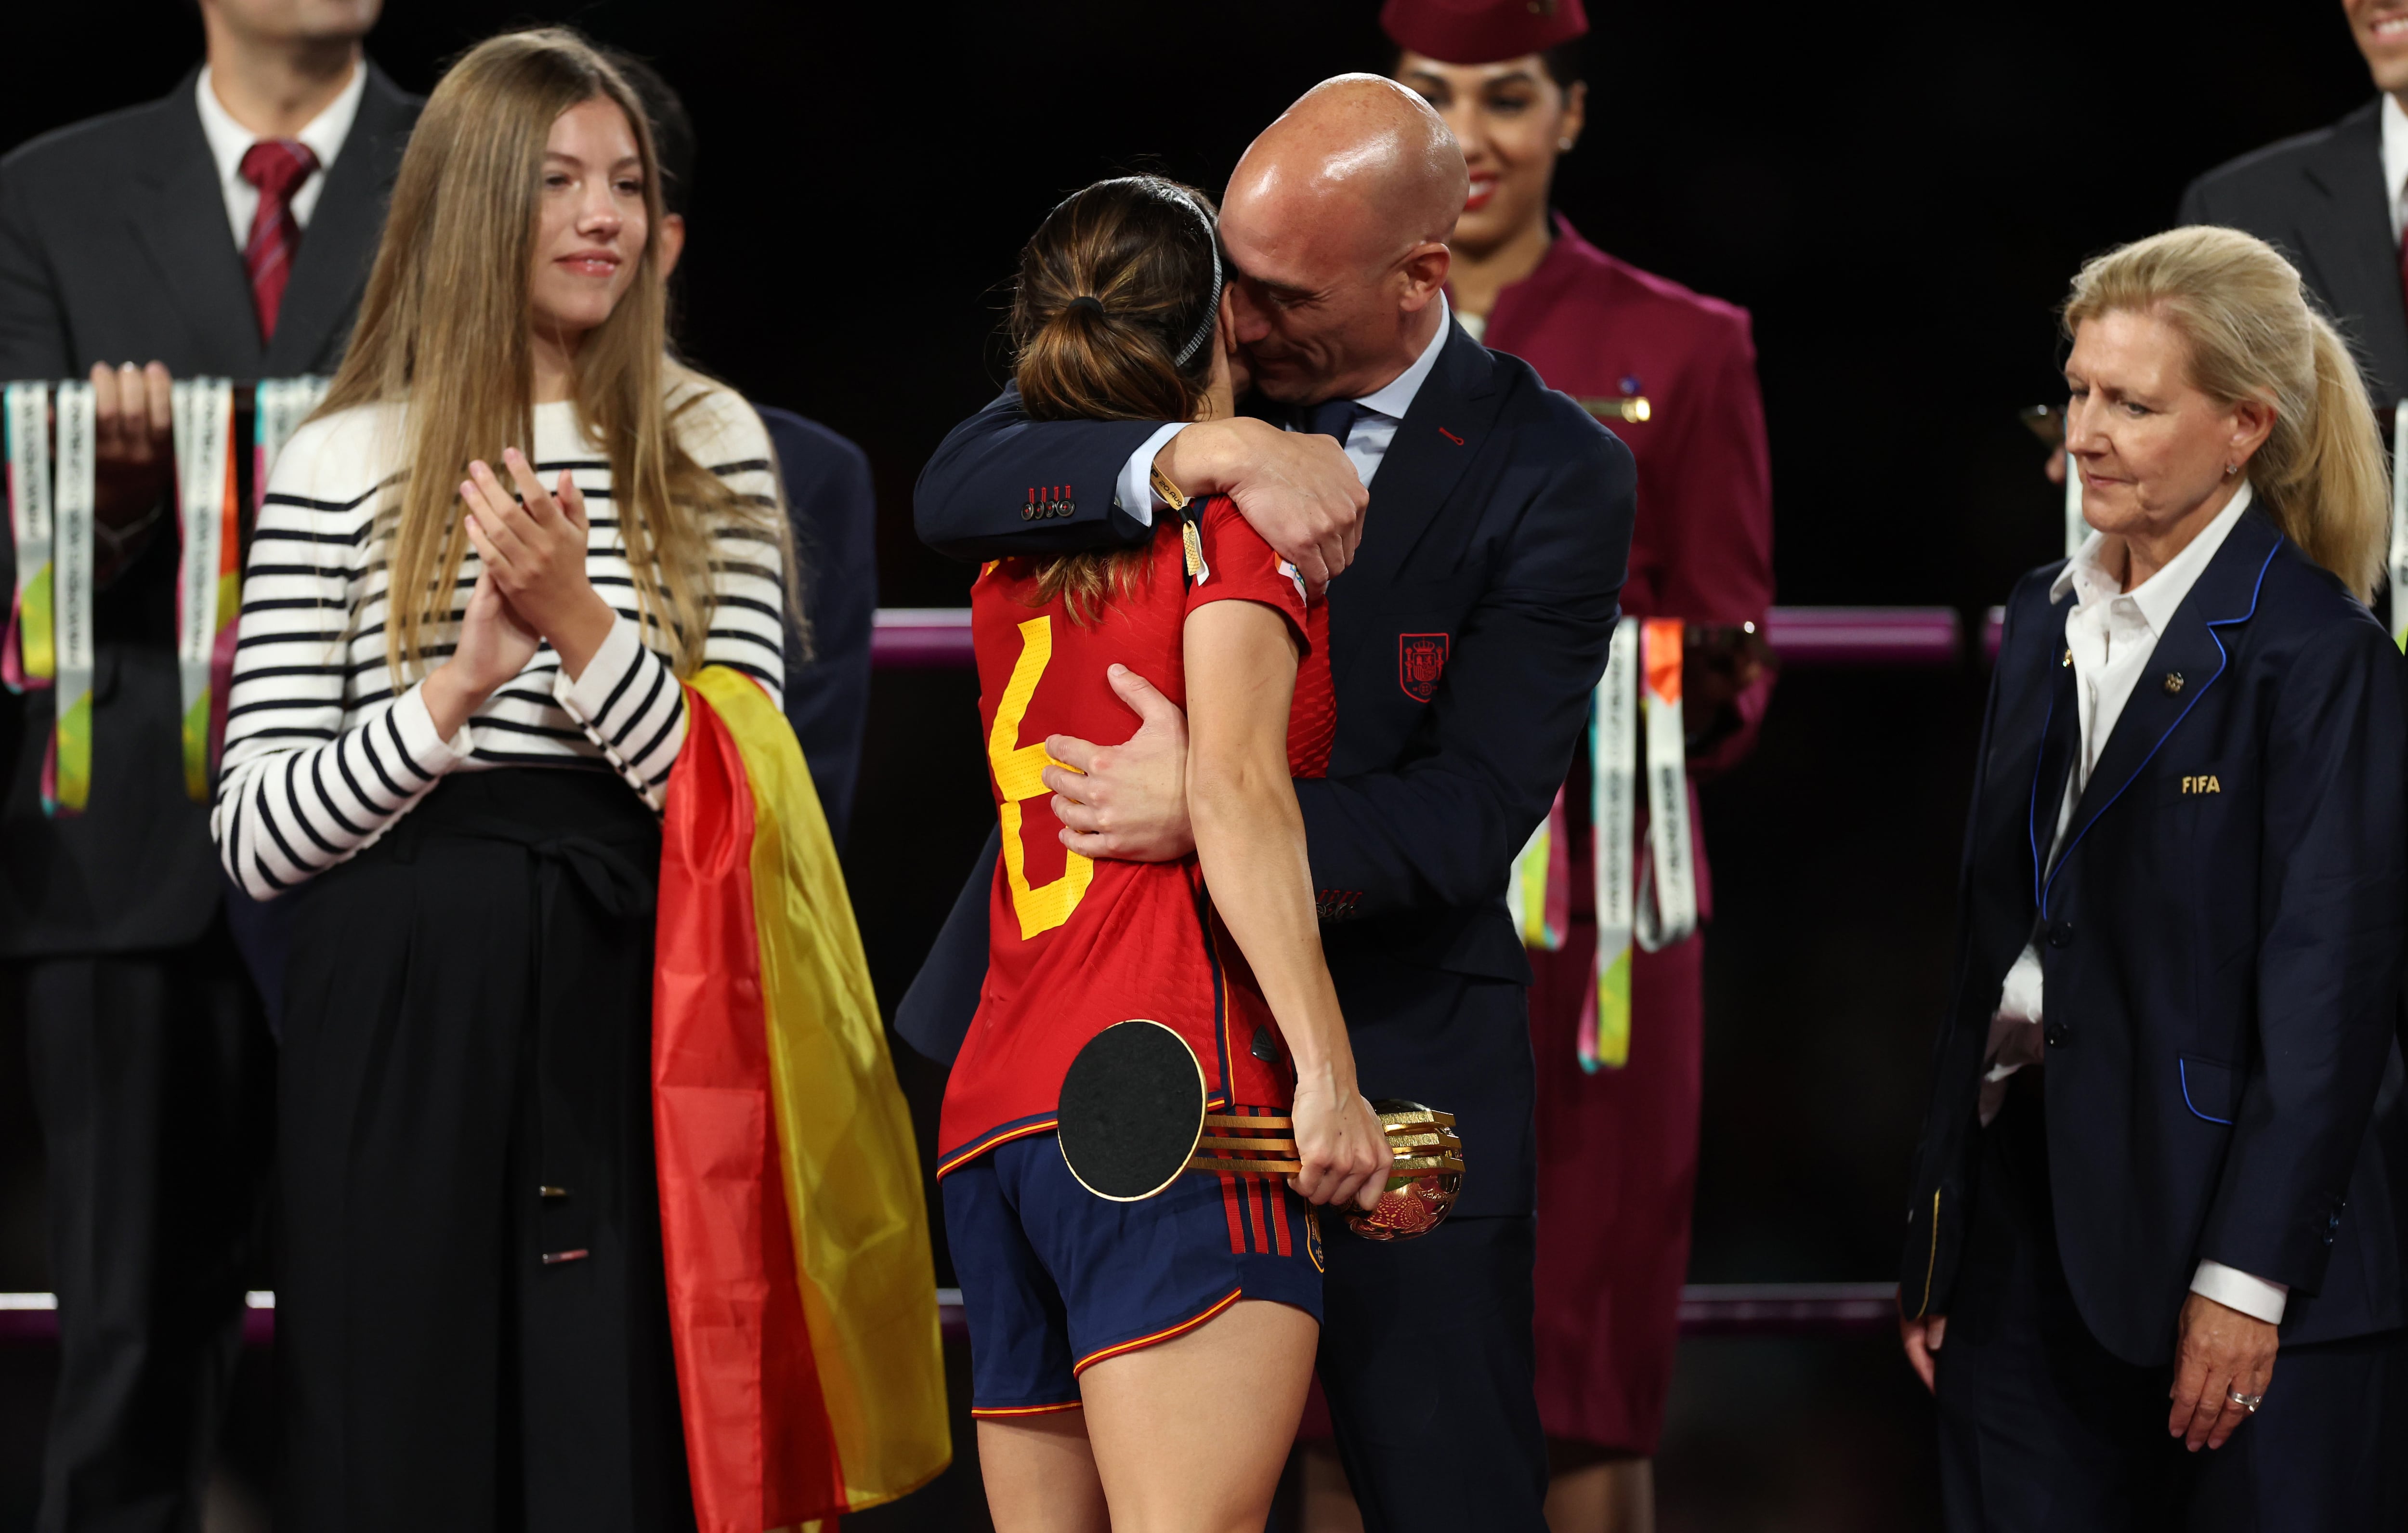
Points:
(835, 518)
(1498, 536)
(2221, 945)
(2320, 199)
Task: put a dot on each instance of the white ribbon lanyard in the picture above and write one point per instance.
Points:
(25, 422)
(68, 783)
(1613, 781)
(49, 636)
(1655, 903)
(279, 406)
(1601, 1039)
(204, 417)
(1672, 914)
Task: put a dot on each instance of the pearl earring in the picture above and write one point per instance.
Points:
(1563, 145)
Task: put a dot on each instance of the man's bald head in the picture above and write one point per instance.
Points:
(1337, 218)
(1360, 155)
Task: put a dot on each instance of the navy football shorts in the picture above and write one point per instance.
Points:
(1055, 1280)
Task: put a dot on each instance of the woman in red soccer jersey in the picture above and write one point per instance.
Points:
(1145, 1363)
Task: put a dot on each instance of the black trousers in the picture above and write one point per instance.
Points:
(2042, 1427)
(473, 1327)
(154, 1078)
(1427, 1360)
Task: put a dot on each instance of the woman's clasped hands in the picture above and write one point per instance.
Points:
(534, 547)
(532, 588)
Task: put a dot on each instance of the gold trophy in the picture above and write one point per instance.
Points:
(1425, 1178)
(1132, 1119)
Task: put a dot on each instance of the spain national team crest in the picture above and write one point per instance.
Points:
(1420, 660)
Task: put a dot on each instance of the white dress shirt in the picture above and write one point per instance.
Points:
(2112, 632)
(229, 141)
(1379, 414)
(2395, 163)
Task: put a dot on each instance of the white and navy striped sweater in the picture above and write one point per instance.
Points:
(320, 756)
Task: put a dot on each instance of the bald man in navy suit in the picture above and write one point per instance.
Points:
(1465, 637)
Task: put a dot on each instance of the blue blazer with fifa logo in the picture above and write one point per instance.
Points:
(2221, 939)
(1465, 641)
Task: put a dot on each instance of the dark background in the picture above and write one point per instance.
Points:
(1898, 193)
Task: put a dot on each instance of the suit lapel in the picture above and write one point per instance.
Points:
(179, 219)
(2191, 648)
(2349, 241)
(340, 243)
(2060, 735)
(1442, 430)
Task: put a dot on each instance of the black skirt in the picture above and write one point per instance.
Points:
(472, 1328)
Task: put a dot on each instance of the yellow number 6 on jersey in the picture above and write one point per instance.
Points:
(1017, 769)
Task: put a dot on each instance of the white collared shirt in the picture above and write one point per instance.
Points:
(2395, 163)
(229, 141)
(1381, 412)
(2111, 634)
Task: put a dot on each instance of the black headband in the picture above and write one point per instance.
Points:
(1213, 308)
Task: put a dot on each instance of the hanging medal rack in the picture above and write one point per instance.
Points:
(226, 438)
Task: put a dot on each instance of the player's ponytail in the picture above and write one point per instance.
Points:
(1115, 288)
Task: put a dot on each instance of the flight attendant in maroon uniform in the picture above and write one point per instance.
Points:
(1617, 1149)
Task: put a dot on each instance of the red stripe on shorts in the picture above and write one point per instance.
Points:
(1229, 1201)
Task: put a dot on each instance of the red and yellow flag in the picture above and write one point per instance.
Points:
(802, 1295)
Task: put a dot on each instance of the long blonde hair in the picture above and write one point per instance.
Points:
(2254, 335)
(446, 325)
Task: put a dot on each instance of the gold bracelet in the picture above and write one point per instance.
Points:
(1169, 491)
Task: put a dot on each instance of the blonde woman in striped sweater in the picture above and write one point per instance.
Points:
(478, 574)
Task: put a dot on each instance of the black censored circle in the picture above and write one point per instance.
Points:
(1132, 1110)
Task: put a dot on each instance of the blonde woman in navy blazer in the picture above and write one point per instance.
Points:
(2163, 1287)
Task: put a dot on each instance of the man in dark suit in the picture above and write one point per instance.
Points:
(2331, 200)
(225, 229)
(1463, 642)
(828, 501)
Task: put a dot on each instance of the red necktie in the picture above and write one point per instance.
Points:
(277, 166)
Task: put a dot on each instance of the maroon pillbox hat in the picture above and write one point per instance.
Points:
(1481, 31)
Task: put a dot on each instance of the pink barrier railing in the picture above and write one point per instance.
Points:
(1707, 1308)
(939, 638)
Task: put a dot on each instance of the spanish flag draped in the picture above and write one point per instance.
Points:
(801, 1289)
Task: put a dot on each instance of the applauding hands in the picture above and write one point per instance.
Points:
(533, 588)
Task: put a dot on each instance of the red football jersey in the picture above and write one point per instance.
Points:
(1076, 945)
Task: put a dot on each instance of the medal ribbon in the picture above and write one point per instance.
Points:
(208, 566)
(2399, 525)
(1539, 894)
(1671, 916)
(28, 658)
(278, 406)
(1603, 1040)
(66, 771)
